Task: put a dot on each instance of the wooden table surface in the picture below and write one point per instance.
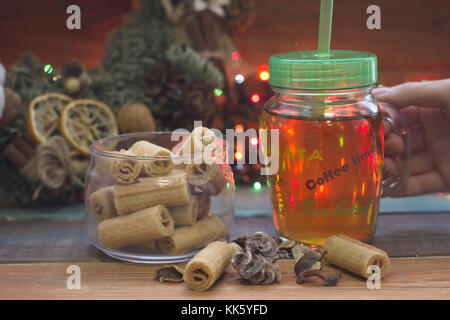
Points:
(410, 278)
(35, 255)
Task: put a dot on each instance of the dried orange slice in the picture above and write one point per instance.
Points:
(84, 121)
(43, 115)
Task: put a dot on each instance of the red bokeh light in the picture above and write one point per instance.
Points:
(255, 98)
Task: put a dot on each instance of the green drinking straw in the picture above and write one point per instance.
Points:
(326, 14)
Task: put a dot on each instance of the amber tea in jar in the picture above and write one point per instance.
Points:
(330, 146)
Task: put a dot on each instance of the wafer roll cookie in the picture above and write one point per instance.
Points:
(126, 170)
(199, 141)
(185, 215)
(101, 204)
(170, 190)
(157, 166)
(188, 238)
(139, 227)
(208, 265)
(355, 256)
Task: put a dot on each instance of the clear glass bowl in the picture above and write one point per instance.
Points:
(127, 205)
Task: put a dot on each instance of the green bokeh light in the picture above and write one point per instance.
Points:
(218, 92)
(48, 68)
(257, 186)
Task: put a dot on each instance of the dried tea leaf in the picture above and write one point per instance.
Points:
(305, 264)
(299, 250)
(277, 240)
(283, 254)
(287, 244)
(256, 262)
(169, 274)
(256, 268)
(285, 249)
(261, 243)
(332, 279)
(306, 267)
(241, 240)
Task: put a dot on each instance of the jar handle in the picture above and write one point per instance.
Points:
(396, 167)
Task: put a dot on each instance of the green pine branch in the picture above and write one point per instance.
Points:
(194, 65)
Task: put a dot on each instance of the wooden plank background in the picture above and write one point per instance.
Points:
(400, 235)
(413, 43)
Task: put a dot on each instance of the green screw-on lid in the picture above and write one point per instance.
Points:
(311, 70)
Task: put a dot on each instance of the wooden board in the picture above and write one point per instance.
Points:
(410, 278)
(399, 234)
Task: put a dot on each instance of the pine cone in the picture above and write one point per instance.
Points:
(198, 99)
(164, 83)
(72, 69)
(75, 79)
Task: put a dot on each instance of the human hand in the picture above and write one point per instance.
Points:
(426, 107)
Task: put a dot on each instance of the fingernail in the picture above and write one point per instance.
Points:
(379, 91)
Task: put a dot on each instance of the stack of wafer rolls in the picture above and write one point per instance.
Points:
(154, 205)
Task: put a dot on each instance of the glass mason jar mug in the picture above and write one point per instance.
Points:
(330, 131)
(146, 202)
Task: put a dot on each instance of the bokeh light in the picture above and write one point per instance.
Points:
(239, 78)
(48, 68)
(257, 186)
(255, 98)
(264, 75)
